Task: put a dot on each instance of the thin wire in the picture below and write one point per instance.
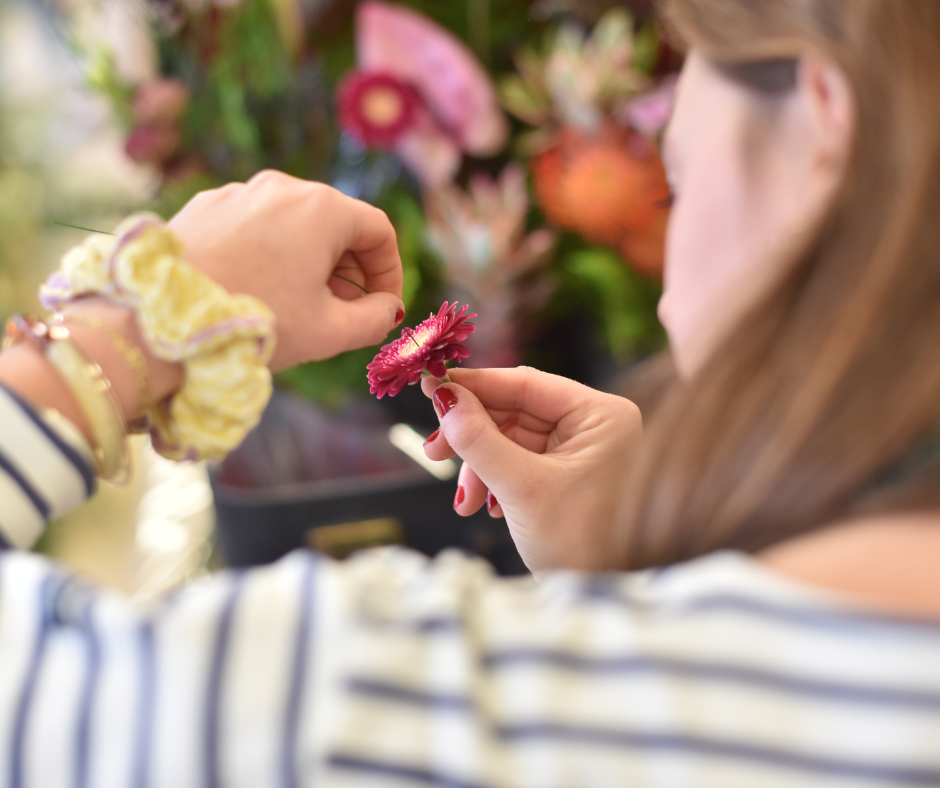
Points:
(352, 283)
(412, 337)
(76, 227)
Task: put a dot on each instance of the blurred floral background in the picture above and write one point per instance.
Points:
(514, 144)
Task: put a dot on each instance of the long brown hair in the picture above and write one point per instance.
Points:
(809, 412)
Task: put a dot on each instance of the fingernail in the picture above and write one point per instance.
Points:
(399, 316)
(432, 437)
(490, 501)
(444, 401)
(458, 498)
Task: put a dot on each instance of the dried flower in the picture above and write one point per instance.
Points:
(421, 351)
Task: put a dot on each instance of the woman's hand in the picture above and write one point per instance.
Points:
(552, 452)
(282, 239)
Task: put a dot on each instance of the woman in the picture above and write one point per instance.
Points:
(793, 466)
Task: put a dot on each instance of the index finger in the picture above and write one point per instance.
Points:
(522, 390)
(370, 236)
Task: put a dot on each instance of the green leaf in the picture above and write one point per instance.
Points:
(613, 31)
(646, 48)
(627, 302)
(518, 99)
(330, 383)
(408, 218)
(240, 128)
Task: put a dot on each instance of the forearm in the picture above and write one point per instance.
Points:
(28, 372)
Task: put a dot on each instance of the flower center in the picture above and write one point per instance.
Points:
(415, 341)
(382, 106)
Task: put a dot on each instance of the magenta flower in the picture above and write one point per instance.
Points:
(376, 107)
(456, 111)
(422, 351)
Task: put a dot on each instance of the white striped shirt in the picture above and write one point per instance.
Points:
(394, 670)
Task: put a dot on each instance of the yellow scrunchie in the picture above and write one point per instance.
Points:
(225, 341)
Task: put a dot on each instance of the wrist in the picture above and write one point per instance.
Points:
(97, 325)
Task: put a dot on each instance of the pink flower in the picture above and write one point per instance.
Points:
(421, 351)
(376, 108)
(157, 108)
(152, 144)
(160, 102)
(458, 109)
(649, 114)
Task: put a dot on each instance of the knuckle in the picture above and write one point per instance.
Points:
(627, 410)
(323, 195)
(265, 177)
(207, 195)
(227, 190)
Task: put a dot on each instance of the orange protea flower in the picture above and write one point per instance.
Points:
(645, 250)
(605, 186)
(421, 351)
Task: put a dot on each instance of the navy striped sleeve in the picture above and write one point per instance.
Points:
(45, 469)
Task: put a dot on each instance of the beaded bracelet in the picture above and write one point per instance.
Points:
(88, 384)
(224, 341)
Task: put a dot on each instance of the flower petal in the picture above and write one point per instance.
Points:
(432, 156)
(450, 78)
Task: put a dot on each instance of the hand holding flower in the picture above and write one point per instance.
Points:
(550, 451)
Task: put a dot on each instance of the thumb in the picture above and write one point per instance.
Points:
(365, 321)
(471, 432)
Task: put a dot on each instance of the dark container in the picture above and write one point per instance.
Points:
(305, 479)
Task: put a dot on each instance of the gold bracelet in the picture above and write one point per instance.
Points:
(132, 355)
(224, 341)
(93, 391)
(88, 384)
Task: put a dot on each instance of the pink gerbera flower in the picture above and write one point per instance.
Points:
(421, 351)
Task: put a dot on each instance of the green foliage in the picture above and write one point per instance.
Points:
(646, 48)
(260, 101)
(623, 302)
(330, 383)
(249, 107)
(408, 218)
(175, 194)
(101, 75)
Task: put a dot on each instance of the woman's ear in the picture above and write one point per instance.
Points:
(829, 105)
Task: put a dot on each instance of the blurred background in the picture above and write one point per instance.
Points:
(514, 144)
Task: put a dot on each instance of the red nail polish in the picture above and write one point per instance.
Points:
(490, 501)
(432, 437)
(444, 400)
(458, 498)
(399, 316)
